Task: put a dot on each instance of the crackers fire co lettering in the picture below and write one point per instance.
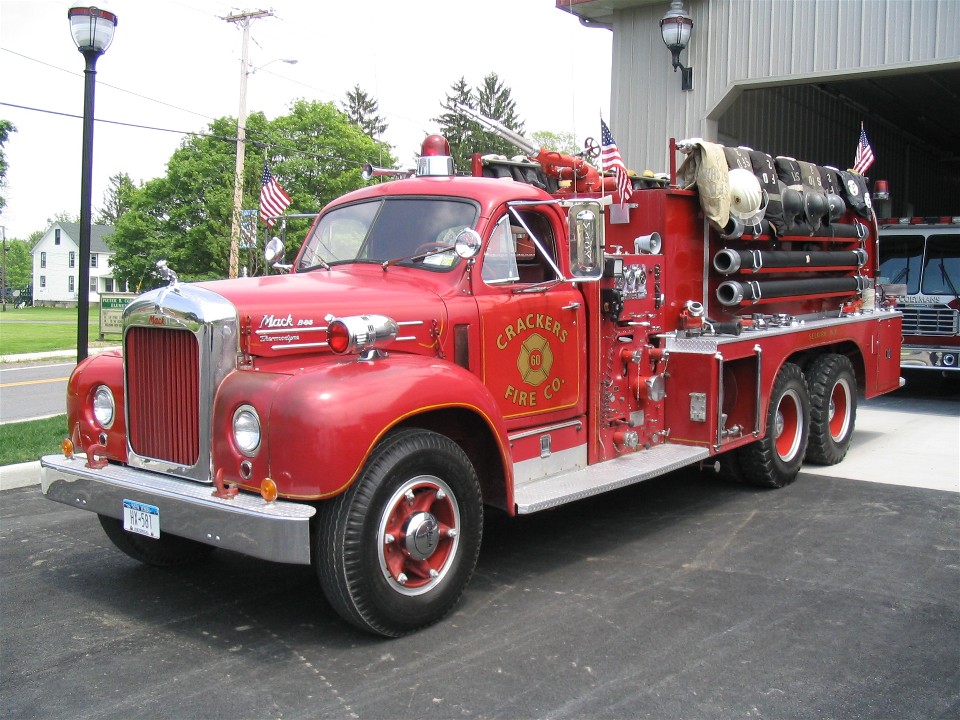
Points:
(535, 357)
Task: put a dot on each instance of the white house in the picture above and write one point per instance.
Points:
(56, 264)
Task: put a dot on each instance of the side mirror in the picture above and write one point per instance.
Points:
(467, 243)
(585, 220)
(273, 252)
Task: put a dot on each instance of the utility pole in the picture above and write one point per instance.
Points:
(3, 234)
(243, 19)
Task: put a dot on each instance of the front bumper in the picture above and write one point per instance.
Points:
(930, 358)
(278, 531)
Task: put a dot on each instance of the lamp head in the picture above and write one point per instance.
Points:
(92, 28)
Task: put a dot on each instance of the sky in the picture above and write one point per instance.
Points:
(174, 65)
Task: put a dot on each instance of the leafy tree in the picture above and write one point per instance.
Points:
(19, 264)
(362, 110)
(116, 200)
(563, 142)
(314, 152)
(6, 127)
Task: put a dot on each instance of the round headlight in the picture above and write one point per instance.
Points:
(246, 429)
(104, 407)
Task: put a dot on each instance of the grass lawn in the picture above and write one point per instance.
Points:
(40, 329)
(26, 441)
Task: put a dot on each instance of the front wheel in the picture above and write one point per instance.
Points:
(395, 551)
(775, 459)
(833, 413)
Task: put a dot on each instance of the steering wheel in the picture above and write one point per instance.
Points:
(591, 147)
(429, 248)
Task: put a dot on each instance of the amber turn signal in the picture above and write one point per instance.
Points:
(268, 490)
(66, 445)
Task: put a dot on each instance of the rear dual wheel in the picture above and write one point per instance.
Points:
(395, 551)
(833, 413)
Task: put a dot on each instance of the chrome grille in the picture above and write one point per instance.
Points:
(930, 321)
(163, 394)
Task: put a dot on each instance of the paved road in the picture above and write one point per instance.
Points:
(33, 390)
(680, 597)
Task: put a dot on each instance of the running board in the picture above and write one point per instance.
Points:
(555, 490)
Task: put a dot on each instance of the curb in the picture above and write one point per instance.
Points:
(20, 475)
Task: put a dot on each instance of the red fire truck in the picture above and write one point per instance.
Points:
(920, 267)
(519, 338)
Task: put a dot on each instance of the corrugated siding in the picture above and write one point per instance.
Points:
(757, 42)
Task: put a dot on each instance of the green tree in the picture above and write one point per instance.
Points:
(116, 200)
(314, 152)
(458, 129)
(466, 136)
(494, 101)
(19, 264)
(563, 142)
(6, 127)
(362, 110)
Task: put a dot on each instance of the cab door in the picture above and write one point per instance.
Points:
(533, 328)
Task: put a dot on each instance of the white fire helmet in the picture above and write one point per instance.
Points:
(745, 195)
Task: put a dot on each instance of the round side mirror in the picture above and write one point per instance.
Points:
(467, 243)
(273, 252)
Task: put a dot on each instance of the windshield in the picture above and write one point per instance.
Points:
(388, 229)
(941, 271)
(901, 257)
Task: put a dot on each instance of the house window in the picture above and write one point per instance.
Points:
(70, 283)
(56, 236)
(43, 259)
(72, 259)
(43, 281)
(93, 259)
(93, 284)
(108, 285)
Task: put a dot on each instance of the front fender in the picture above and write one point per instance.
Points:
(325, 422)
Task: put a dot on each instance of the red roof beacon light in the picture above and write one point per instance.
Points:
(435, 159)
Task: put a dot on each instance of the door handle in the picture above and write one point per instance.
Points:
(571, 306)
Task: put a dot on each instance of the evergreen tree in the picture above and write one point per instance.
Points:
(466, 136)
(458, 129)
(494, 101)
(362, 110)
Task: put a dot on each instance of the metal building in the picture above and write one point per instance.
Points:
(797, 78)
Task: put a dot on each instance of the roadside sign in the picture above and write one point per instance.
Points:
(111, 312)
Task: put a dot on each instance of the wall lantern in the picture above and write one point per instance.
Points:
(676, 27)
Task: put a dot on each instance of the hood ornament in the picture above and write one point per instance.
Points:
(168, 274)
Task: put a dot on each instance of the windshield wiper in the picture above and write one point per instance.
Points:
(417, 258)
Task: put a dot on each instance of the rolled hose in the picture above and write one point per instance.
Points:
(728, 261)
(731, 292)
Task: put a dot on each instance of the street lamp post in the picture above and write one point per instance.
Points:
(92, 29)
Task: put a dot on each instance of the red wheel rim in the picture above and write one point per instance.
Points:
(418, 536)
(840, 410)
(788, 426)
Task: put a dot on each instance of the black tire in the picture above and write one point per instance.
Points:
(833, 408)
(385, 555)
(165, 551)
(775, 459)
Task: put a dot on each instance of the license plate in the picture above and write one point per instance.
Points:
(141, 518)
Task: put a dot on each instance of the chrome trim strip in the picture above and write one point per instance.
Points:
(278, 531)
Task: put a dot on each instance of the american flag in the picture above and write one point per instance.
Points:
(864, 158)
(273, 198)
(610, 160)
